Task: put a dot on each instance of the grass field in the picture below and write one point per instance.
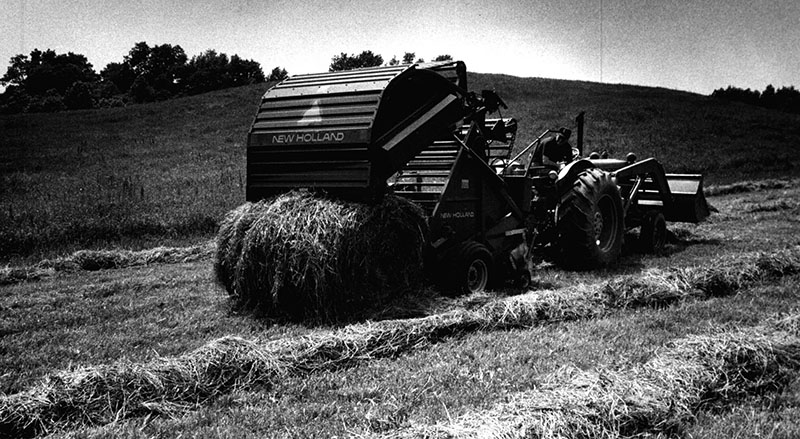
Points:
(135, 177)
(165, 310)
(64, 318)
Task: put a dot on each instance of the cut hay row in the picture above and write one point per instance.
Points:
(303, 256)
(105, 259)
(789, 323)
(773, 206)
(660, 396)
(101, 394)
(748, 186)
(722, 277)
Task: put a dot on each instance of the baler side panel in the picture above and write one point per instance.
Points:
(475, 205)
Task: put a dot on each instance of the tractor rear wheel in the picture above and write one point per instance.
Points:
(653, 234)
(468, 268)
(590, 222)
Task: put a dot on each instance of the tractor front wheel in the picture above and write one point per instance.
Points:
(653, 234)
(590, 222)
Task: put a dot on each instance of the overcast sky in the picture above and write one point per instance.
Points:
(692, 45)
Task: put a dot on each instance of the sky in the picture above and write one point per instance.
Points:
(692, 45)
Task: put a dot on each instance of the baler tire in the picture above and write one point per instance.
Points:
(590, 222)
(469, 269)
(653, 233)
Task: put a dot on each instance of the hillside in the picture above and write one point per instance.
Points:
(685, 131)
(167, 172)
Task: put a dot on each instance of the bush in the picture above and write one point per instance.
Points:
(79, 96)
(14, 100)
(142, 91)
(112, 102)
(49, 103)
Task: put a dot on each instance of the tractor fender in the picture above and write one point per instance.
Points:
(569, 173)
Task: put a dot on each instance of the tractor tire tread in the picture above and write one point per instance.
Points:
(575, 221)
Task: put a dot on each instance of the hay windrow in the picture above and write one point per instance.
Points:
(96, 395)
(306, 257)
(722, 277)
(660, 396)
(92, 260)
(748, 186)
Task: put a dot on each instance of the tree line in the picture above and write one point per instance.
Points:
(46, 81)
(784, 99)
(343, 61)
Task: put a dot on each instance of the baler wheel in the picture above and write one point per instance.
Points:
(653, 234)
(590, 222)
(468, 269)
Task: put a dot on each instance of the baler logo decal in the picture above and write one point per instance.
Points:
(458, 215)
(334, 136)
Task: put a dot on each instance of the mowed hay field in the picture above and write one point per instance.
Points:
(137, 341)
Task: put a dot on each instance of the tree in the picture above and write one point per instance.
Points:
(205, 72)
(17, 72)
(344, 61)
(737, 94)
(45, 71)
(14, 100)
(443, 58)
(119, 74)
(767, 98)
(788, 99)
(164, 67)
(408, 57)
(213, 71)
(394, 61)
(161, 67)
(278, 74)
(785, 99)
(137, 57)
(245, 71)
(166, 71)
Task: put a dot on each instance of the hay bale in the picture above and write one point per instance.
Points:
(229, 242)
(302, 256)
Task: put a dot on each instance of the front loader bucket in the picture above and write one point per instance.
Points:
(688, 201)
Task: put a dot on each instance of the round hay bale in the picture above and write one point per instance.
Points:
(385, 251)
(302, 256)
(228, 239)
